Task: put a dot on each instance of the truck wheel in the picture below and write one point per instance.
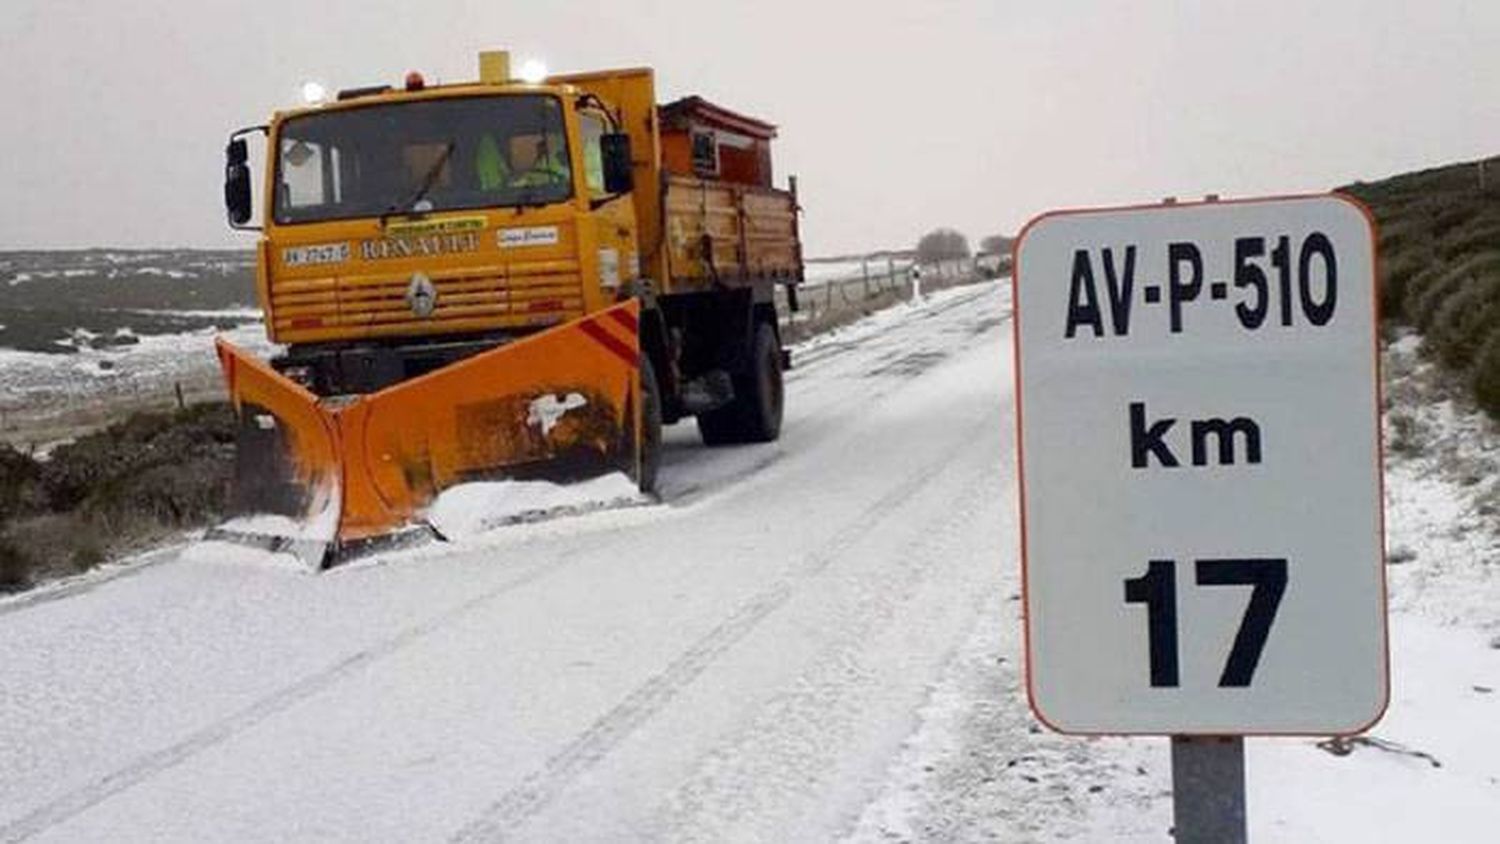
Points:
(650, 427)
(755, 414)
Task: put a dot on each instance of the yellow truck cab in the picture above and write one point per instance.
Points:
(416, 238)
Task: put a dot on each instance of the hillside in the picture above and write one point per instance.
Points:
(1440, 273)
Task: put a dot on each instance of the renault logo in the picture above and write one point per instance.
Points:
(421, 296)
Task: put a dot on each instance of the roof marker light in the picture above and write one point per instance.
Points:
(532, 71)
(414, 81)
(313, 93)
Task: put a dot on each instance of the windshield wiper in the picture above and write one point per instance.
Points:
(428, 181)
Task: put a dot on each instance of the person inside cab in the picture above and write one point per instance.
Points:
(542, 161)
(523, 161)
(491, 169)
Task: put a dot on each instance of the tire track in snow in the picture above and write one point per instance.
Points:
(812, 422)
(939, 331)
(792, 745)
(836, 348)
(542, 786)
(81, 799)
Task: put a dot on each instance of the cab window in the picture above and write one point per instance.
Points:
(592, 128)
(429, 155)
(310, 174)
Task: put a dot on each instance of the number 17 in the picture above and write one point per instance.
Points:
(1157, 589)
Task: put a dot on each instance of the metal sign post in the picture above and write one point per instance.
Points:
(1198, 427)
(1208, 790)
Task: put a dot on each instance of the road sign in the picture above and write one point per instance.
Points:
(1198, 415)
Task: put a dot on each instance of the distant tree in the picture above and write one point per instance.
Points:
(942, 245)
(996, 244)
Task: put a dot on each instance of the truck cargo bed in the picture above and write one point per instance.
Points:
(729, 234)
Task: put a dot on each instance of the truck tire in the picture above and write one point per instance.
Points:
(755, 414)
(650, 427)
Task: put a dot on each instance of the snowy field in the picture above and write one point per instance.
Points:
(46, 399)
(78, 323)
(60, 301)
(88, 335)
(810, 640)
(151, 363)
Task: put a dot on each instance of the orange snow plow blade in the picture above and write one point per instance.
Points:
(327, 477)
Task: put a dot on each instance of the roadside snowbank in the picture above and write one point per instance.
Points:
(468, 509)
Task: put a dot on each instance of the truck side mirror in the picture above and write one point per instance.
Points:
(237, 182)
(614, 148)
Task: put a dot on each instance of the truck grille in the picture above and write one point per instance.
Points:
(473, 299)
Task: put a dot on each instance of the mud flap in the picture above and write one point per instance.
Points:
(358, 472)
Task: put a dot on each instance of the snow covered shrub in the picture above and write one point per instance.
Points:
(1430, 288)
(1397, 272)
(1467, 316)
(111, 491)
(14, 571)
(170, 467)
(1478, 235)
(1405, 433)
(21, 488)
(1485, 374)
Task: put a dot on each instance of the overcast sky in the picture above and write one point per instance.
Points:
(898, 117)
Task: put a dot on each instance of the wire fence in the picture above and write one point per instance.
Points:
(829, 302)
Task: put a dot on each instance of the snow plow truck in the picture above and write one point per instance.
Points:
(501, 279)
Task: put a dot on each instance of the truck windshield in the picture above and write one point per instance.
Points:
(429, 155)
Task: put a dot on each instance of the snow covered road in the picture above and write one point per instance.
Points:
(743, 661)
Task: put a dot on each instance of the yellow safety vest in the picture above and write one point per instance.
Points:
(490, 166)
(551, 170)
